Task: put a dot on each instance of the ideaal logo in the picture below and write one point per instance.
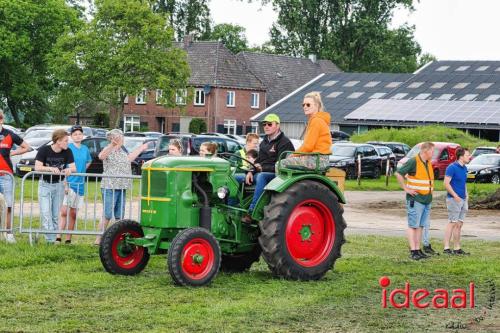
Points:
(422, 298)
(440, 298)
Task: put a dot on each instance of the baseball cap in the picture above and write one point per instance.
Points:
(272, 117)
(76, 128)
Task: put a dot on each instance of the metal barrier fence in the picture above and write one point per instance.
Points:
(3, 201)
(90, 208)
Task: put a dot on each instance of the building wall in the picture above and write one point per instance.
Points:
(214, 112)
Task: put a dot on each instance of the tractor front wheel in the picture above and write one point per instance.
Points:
(118, 256)
(302, 231)
(194, 257)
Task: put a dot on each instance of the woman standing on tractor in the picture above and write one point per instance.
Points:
(116, 162)
(317, 138)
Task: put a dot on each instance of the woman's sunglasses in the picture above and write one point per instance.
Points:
(306, 104)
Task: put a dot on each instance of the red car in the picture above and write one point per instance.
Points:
(444, 155)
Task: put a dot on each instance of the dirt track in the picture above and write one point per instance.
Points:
(383, 213)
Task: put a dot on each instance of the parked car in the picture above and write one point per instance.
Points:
(386, 156)
(131, 143)
(143, 134)
(345, 156)
(87, 131)
(191, 144)
(483, 150)
(340, 136)
(398, 148)
(444, 154)
(95, 145)
(484, 169)
(99, 132)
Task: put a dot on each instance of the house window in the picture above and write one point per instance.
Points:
(125, 101)
(254, 101)
(255, 126)
(230, 98)
(131, 123)
(159, 94)
(230, 126)
(199, 97)
(141, 97)
(180, 96)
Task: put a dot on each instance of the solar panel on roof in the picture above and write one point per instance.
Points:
(428, 111)
(484, 85)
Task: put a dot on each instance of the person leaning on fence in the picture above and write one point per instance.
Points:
(208, 149)
(58, 160)
(418, 187)
(7, 141)
(116, 162)
(318, 138)
(74, 188)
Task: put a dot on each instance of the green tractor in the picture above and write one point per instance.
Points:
(188, 210)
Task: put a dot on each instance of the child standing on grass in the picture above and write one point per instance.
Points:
(75, 185)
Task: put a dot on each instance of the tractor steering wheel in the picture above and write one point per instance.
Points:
(227, 156)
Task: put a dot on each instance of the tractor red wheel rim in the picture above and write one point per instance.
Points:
(197, 258)
(310, 233)
(126, 256)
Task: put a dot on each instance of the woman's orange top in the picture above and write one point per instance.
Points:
(318, 138)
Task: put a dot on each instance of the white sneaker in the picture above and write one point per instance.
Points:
(9, 238)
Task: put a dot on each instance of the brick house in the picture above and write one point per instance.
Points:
(226, 95)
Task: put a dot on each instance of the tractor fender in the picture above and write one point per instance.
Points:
(282, 182)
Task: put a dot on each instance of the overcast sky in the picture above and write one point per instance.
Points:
(448, 29)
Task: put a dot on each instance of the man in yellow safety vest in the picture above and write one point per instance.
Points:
(416, 178)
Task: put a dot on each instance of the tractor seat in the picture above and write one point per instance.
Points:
(305, 169)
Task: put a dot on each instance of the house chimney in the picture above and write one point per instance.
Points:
(312, 57)
(188, 39)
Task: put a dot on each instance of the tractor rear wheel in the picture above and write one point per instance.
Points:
(194, 257)
(119, 257)
(302, 231)
(236, 263)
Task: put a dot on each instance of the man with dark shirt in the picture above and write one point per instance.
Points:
(275, 142)
(58, 160)
(7, 140)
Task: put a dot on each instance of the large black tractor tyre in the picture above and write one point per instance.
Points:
(194, 257)
(302, 231)
(116, 255)
(237, 263)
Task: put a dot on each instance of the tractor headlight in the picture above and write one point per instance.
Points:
(222, 192)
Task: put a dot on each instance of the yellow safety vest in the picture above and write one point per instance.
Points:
(243, 153)
(423, 180)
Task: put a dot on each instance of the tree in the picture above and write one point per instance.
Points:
(188, 17)
(197, 126)
(354, 34)
(124, 49)
(232, 35)
(28, 31)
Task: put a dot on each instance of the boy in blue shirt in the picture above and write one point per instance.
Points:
(456, 201)
(75, 185)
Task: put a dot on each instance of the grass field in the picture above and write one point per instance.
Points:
(65, 289)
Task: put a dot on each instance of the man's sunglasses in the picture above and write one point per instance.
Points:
(267, 124)
(306, 104)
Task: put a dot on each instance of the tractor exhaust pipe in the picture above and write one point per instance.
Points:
(205, 210)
